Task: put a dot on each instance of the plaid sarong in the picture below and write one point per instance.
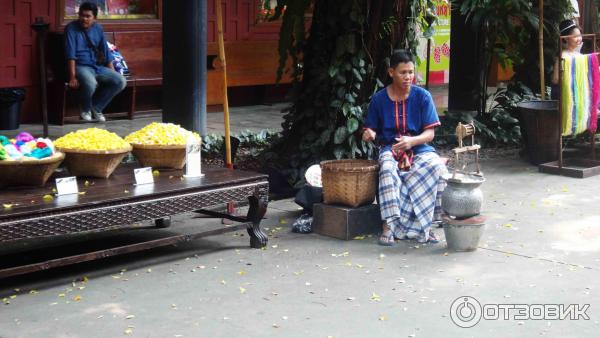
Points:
(411, 200)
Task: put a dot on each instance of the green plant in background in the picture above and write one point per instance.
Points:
(336, 68)
(499, 125)
(509, 30)
(213, 146)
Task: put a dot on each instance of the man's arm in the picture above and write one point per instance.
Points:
(73, 83)
(407, 142)
(70, 47)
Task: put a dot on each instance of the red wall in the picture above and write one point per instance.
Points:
(239, 22)
(19, 64)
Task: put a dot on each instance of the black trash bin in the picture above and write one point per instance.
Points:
(10, 107)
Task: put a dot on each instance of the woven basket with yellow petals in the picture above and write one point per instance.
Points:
(93, 163)
(160, 156)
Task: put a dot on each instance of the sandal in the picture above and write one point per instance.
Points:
(432, 238)
(386, 240)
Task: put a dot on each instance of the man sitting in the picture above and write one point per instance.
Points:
(89, 64)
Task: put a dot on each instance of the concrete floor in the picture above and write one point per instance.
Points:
(541, 246)
(253, 118)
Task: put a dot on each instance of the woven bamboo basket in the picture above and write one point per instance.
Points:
(93, 163)
(160, 156)
(29, 171)
(349, 182)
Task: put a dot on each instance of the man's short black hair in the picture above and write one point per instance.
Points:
(89, 6)
(401, 56)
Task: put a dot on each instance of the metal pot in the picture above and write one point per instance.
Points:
(463, 236)
(462, 197)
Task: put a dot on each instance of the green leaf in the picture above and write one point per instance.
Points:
(356, 74)
(333, 71)
(338, 152)
(336, 104)
(340, 135)
(346, 109)
(352, 125)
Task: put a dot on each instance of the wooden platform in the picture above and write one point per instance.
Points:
(114, 203)
(572, 167)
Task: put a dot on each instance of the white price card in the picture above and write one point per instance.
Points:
(193, 166)
(143, 175)
(66, 186)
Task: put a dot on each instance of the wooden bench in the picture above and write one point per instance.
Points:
(142, 51)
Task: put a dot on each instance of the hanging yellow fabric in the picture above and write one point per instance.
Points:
(566, 97)
(576, 95)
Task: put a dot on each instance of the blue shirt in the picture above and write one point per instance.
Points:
(76, 45)
(421, 114)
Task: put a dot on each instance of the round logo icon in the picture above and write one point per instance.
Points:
(465, 311)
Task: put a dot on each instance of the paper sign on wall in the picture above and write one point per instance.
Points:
(143, 175)
(66, 186)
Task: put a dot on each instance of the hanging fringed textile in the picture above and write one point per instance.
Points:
(595, 80)
(580, 94)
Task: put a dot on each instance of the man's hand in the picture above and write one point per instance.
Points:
(73, 83)
(72, 68)
(368, 135)
(404, 143)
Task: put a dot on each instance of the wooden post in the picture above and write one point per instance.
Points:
(560, 112)
(593, 140)
(41, 28)
(427, 65)
(228, 162)
(541, 45)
